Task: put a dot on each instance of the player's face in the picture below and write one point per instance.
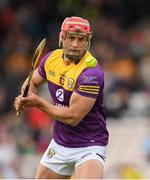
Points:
(75, 45)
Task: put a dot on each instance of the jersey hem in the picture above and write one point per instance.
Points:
(81, 145)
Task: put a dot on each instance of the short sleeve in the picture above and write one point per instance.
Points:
(90, 82)
(41, 69)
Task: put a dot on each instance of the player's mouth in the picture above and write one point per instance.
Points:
(74, 51)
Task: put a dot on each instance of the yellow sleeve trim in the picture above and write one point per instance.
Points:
(92, 87)
(91, 91)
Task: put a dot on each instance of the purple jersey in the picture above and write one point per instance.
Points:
(62, 82)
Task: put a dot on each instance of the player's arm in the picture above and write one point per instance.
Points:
(72, 115)
(36, 81)
(38, 78)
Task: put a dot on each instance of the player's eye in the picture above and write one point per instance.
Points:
(71, 38)
(81, 39)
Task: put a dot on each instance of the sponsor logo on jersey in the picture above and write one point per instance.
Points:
(90, 79)
(58, 104)
(60, 94)
(52, 73)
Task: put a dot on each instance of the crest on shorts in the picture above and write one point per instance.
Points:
(51, 153)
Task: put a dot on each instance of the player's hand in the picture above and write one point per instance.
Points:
(18, 104)
(30, 101)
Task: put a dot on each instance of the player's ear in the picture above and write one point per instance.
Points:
(89, 40)
(61, 38)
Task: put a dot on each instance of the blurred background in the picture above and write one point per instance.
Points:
(121, 44)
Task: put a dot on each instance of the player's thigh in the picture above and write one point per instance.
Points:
(90, 169)
(45, 173)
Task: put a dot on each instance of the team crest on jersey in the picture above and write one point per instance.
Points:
(51, 153)
(70, 83)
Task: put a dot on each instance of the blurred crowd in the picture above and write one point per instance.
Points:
(121, 43)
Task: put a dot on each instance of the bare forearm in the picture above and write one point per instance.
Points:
(36, 81)
(33, 87)
(62, 114)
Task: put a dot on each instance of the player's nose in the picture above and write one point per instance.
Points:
(75, 43)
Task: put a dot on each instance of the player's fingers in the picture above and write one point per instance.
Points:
(19, 109)
(18, 103)
(17, 106)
